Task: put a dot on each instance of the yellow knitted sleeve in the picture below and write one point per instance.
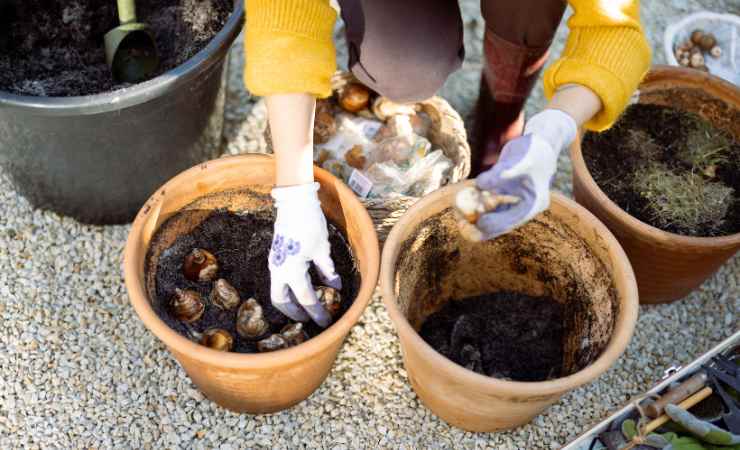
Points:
(606, 51)
(288, 47)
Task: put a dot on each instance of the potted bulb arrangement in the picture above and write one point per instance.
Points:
(195, 266)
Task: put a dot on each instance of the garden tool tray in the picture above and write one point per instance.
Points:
(586, 441)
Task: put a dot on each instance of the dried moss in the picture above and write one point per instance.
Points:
(643, 144)
(705, 147)
(686, 201)
(657, 158)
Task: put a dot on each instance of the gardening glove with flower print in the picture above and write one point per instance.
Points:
(526, 169)
(300, 238)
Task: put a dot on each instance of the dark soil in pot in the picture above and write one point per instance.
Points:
(55, 48)
(503, 335)
(670, 169)
(535, 304)
(241, 244)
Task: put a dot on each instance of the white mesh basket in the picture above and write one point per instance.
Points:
(725, 27)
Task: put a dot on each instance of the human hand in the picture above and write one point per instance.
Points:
(300, 237)
(525, 170)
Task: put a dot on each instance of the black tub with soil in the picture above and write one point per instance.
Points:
(532, 305)
(670, 169)
(55, 48)
(97, 158)
(241, 243)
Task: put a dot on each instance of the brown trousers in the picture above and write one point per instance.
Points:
(406, 49)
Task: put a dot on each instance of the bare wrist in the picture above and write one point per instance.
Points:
(579, 102)
(291, 127)
(294, 166)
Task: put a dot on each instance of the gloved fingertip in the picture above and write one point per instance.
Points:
(335, 282)
(491, 236)
(292, 311)
(487, 180)
(491, 226)
(318, 314)
(513, 172)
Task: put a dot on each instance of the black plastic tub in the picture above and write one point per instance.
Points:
(97, 158)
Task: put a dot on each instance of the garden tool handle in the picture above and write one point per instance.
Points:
(126, 11)
(677, 394)
(686, 404)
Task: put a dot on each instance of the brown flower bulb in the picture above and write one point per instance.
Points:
(272, 343)
(329, 298)
(354, 97)
(187, 305)
(200, 265)
(218, 339)
(224, 295)
(293, 334)
(250, 321)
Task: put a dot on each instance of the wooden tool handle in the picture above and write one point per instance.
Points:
(677, 394)
(686, 404)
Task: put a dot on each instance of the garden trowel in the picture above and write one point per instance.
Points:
(130, 49)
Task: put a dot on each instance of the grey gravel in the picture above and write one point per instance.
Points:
(79, 370)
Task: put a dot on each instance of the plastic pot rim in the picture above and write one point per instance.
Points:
(620, 337)
(140, 92)
(180, 344)
(659, 73)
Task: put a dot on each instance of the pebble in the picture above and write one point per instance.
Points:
(78, 368)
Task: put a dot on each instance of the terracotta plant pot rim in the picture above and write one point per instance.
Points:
(658, 73)
(622, 332)
(180, 344)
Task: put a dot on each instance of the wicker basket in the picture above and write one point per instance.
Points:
(446, 133)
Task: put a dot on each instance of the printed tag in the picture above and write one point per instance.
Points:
(370, 128)
(359, 183)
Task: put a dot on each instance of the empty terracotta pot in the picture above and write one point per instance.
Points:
(565, 253)
(668, 266)
(254, 383)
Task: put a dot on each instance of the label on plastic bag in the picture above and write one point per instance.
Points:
(359, 183)
(370, 128)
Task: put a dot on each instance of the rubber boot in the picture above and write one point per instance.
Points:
(508, 77)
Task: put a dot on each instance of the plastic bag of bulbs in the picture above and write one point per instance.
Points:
(376, 146)
(706, 41)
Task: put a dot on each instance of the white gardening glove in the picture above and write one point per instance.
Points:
(300, 237)
(526, 169)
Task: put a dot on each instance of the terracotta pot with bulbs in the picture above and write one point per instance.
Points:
(261, 382)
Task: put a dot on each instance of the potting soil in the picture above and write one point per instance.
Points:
(241, 243)
(503, 335)
(654, 136)
(55, 48)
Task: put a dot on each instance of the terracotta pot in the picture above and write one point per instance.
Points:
(565, 253)
(254, 383)
(668, 266)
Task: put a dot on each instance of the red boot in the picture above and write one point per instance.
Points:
(508, 77)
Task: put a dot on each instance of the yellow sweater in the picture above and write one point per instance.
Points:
(289, 48)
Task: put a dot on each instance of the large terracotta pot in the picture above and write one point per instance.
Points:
(565, 253)
(255, 383)
(668, 266)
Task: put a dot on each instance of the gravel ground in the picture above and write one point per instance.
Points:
(79, 370)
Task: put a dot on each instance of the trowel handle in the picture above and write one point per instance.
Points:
(677, 394)
(126, 11)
